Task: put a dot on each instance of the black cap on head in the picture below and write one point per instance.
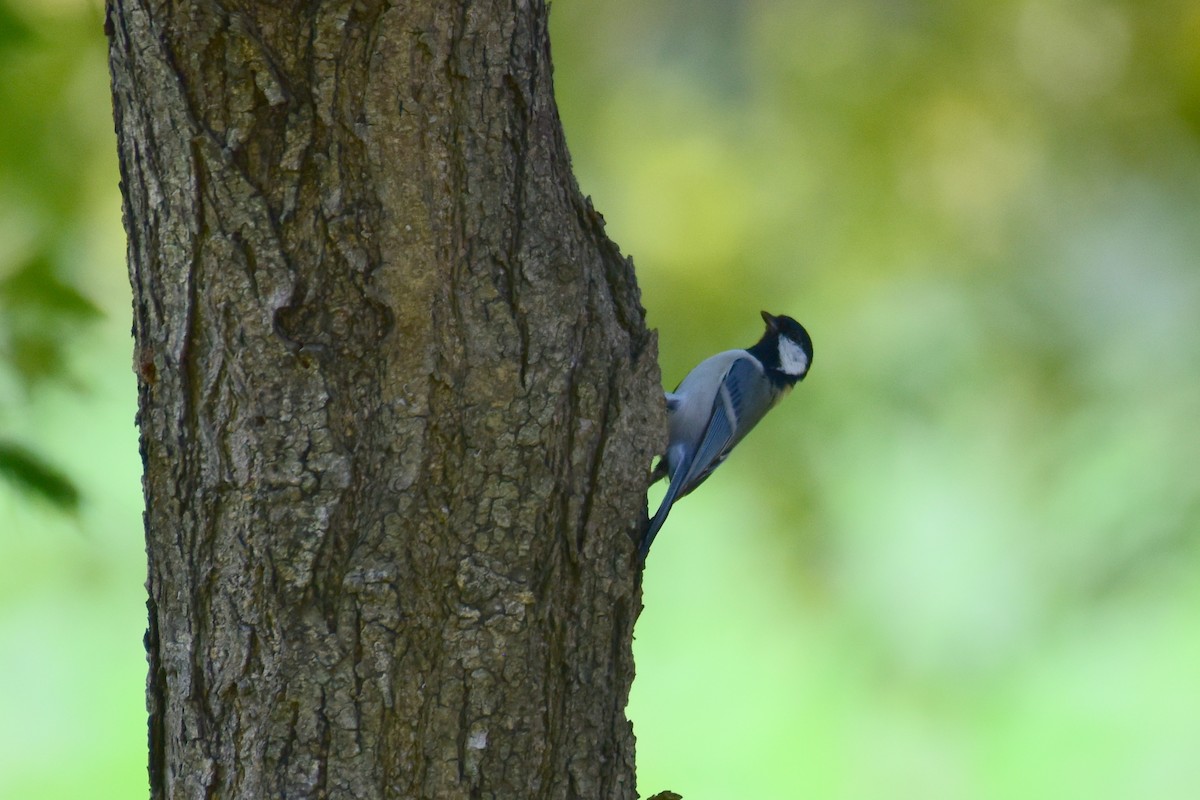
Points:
(786, 326)
(768, 350)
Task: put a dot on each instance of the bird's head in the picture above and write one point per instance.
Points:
(785, 347)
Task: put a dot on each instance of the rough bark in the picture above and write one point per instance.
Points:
(397, 401)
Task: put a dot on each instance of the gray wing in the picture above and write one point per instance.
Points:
(743, 398)
(740, 403)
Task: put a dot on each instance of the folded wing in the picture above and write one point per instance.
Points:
(738, 405)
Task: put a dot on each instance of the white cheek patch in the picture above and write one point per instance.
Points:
(792, 358)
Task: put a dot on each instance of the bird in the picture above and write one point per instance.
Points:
(717, 404)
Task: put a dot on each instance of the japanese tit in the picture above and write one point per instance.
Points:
(718, 403)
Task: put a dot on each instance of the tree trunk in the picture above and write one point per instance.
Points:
(397, 404)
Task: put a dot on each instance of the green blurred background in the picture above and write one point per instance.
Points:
(961, 561)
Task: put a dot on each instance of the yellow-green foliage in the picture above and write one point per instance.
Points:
(962, 560)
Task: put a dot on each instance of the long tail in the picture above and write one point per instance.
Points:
(660, 516)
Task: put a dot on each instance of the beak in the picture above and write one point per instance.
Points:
(772, 322)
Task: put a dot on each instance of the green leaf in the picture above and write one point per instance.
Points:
(36, 287)
(36, 356)
(29, 472)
